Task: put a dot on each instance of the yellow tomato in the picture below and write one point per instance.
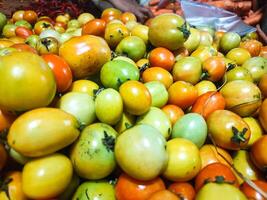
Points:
(141, 31)
(85, 86)
(142, 63)
(204, 52)
(255, 129)
(5, 43)
(205, 86)
(238, 55)
(127, 120)
(114, 33)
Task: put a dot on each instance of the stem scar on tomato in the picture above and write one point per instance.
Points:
(108, 141)
(186, 32)
(127, 125)
(219, 180)
(238, 136)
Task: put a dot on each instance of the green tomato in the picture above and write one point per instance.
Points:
(158, 93)
(109, 106)
(229, 41)
(127, 121)
(23, 23)
(32, 40)
(9, 30)
(257, 66)
(191, 126)
(80, 105)
(193, 40)
(3, 21)
(92, 155)
(74, 23)
(238, 73)
(140, 152)
(133, 47)
(116, 72)
(156, 118)
(100, 190)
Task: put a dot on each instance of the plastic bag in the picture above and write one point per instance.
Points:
(200, 14)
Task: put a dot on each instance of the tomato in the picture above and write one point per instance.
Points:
(128, 16)
(32, 40)
(23, 32)
(127, 121)
(263, 115)
(204, 52)
(30, 16)
(220, 192)
(24, 47)
(128, 188)
(263, 52)
(3, 155)
(183, 190)
(257, 153)
(48, 45)
(42, 25)
(61, 71)
(163, 194)
(242, 97)
(193, 40)
(7, 50)
(238, 73)
(140, 152)
(100, 190)
(111, 12)
(253, 46)
(263, 85)
(87, 60)
(53, 129)
(94, 27)
(41, 176)
(85, 86)
(159, 93)
(23, 23)
(257, 66)
(80, 105)
(252, 193)
(6, 119)
(18, 15)
(133, 47)
(208, 103)
(114, 33)
(141, 31)
(214, 68)
(142, 64)
(205, 38)
(136, 97)
(158, 74)
(210, 154)
(13, 183)
(205, 86)
(83, 18)
(215, 173)
(92, 154)
(116, 72)
(239, 55)
(182, 94)
(187, 69)
(130, 25)
(184, 160)
(32, 75)
(161, 57)
(17, 40)
(255, 129)
(109, 106)
(4, 43)
(61, 18)
(244, 165)
(176, 31)
(231, 133)
(229, 40)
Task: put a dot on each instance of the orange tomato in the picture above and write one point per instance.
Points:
(24, 47)
(161, 57)
(61, 24)
(258, 153)
(182, 94)
(30, 16)
(253, 47)
(216, 173)
(18, 15)
(17, 39)
(23, 32)
(3, 156)
(263, 85)
(5, 43)
(94, 27)
(183, 190)
(6, 119)
(263, 114)
(173, 112)
(128, 188)
(252, 193)
(263, 52)
(208, 103)
(128, 16)
(158, 74)
(214, 68)
(110, 14)
(163, 194)
(209, 155)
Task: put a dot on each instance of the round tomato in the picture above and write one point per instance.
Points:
(136, 97)
(182, 94)
(163, 194)
(159, 93)
(205, 86)
(30, 16)
(140, 31)
(257, 153)
(128, 188)
(161, 57)
(83, 18)
(251, 193)
(94, 27)
(173, 112)
(128, 16)
(85, 86)
(111, 12)
(18, 15)
(183, 190)
(253, 46)
(204, 52)
(42, 25)
(229, 41)
(114, 33)
(214, 68)
(239, 55)
(23, 32)
(193, 40)
(47, 45)
(257, 67)
(238, 73)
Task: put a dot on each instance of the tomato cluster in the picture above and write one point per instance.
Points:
(111, 109)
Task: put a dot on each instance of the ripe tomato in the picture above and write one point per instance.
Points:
(111, 13)
(183, 190)
(210, 154)
(208, 103)
(136, 97)
(42, 25)
(216, 173)
(85, 86)
(253, 47)
(30, 16)
(128, 16)
(263, 52)
(3, 156)
(128, 188)
(205, 86)
(5, 43)
(18, 15)
(214, 68)
(24, 47)
(231, 133)
(263, 85)
(61, 71)
(163, 194)
(182, 94)
(252, 193)
(17, 39)
(173, 112)
(258, 154)
(94, 27)
(161, 57)
(23, 32)
(255, 129)
(6, 119)
(158, 74)
(239, 55)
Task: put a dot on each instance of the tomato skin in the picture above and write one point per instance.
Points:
(263, 85)
(30, 16)
(128, 16)
(23, 32)
(253, 46)
(114, 33)
(205, 86)
(18, 15)
(42, 25)
(164, 194)
(94, 27)
(208, 103)
(24, 47)
(214, 68)
(128, 188)
(85, 86)
(255, 129)
(263, 114)
(252, 193)
(239, 55)
(183, 190)
(257, 153)
(41, 176)
(161, 57)
(53, 130)
(61, 71)
(238, 73)
(173, 112)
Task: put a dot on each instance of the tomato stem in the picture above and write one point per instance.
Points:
(238, 136)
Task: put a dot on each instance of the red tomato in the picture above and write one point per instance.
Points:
(161, 57)
(23, 32)
(214, 68)
(61, 71)
(183, 190)
(252, 193)
(94, 27)
(173, 112)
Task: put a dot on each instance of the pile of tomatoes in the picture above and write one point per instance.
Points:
(111, 109)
